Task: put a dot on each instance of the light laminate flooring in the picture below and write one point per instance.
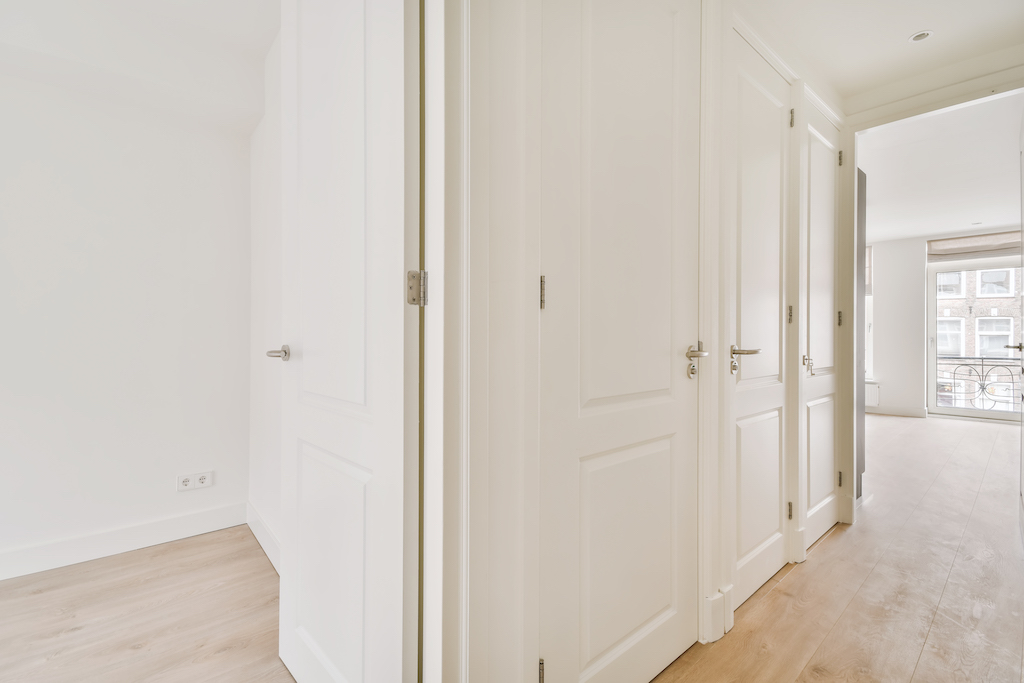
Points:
(927, 586)
(201, 609)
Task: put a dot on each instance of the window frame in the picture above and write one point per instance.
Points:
(963, 284)
(978, 334)
(1013, 284)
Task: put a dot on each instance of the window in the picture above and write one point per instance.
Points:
(950, 285)
(994, 334)
(995, 283)
(949, 336)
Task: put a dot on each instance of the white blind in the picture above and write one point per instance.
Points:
(975, 246)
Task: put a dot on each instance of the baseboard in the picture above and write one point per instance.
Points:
(897, 412)
(68, 551)
(271, 546)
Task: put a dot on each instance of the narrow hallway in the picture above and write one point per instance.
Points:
(927, 586)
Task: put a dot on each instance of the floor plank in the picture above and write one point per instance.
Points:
(200, 609)
(927, 586)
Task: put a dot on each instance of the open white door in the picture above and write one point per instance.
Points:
(344, 305)
(819, 485)
(757, 324)
(619, 143)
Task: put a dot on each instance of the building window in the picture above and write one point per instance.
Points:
(993, 335)
(949, 336)
(995, 283)
(950, 285)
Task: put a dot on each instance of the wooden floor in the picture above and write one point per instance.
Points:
(201, 609)
(928, 586)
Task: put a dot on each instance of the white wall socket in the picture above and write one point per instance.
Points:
(187, 482)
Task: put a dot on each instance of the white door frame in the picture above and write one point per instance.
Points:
(968, 91)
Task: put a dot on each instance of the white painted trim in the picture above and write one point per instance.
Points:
(762, 48)
(821, 105)
(896, 412)
(264, 536)
(67, 551)
(711, 620)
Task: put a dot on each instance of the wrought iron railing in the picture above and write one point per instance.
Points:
(978, 383)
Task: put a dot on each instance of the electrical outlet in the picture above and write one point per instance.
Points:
(203, 479)
(186, 482)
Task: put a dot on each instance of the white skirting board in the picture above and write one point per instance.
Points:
(64, 552)
(898, 412)
(267, 539)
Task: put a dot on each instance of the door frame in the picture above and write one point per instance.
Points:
(970, 90)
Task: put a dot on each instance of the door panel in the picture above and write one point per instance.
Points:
(762, 113)
(819, 221)
(619, 142)
(343, 410)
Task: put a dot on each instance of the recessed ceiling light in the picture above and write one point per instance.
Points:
(920, 35)
(978, 223)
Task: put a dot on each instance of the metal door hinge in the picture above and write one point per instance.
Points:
(416, 288)
(791, 314)
(791, 511)
(792, 117)
(541, 671)
(840, 318)
(840, 478)
(543, 302)
(840, 157)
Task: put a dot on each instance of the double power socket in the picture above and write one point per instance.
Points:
(187, 482)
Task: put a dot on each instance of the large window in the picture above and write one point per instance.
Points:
(949, 336)
(950, 285)
(993, 335)
(995, 283)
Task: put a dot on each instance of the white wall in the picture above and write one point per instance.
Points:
(264, 513)
(124, 301)
(900, 311)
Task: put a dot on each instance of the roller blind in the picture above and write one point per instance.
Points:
(975, 246)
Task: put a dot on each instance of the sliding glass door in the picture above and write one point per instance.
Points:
(974, 320)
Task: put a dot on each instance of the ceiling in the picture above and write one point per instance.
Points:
(200, 58)
(860, 45)
(948, 172)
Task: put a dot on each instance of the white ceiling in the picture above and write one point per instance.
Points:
(953, 171)
(200, 58)
(860, 45)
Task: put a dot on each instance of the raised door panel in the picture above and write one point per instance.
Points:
(331, 139)
(821, 468)
(822, 167)
(761, 170)
(629, 201)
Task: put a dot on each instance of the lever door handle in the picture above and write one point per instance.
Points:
(1015, 347)
(743, 352)
(284, 354)
(692, 353)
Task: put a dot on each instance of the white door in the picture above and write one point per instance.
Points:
(344, 305)
(757, 322)
(819, 221)
(619, 135)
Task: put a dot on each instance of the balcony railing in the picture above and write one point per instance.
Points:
(978, 383)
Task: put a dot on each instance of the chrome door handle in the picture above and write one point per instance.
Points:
(284, 354)
(1015, 347)
(743, 352)
(693, 352)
